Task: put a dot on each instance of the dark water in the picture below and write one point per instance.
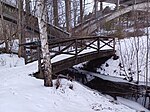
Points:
(115, 89)
(125, 90)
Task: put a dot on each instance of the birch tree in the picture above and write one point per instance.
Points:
(42, 21)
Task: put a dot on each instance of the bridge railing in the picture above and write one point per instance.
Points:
(77, 45)
(69, 47)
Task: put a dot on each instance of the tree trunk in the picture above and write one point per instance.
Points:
(68, 14)
(81, 11)
(20, 35)
(55, 11)
(27, 8)
(96, 7)
(27, 2)
(75, 8)
(3, 28)
(42, 21)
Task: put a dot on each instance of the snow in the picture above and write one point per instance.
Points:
(13, 45)
(20, 92)
(126, 51)
(132, 104)
(10, 61)
(102, 76)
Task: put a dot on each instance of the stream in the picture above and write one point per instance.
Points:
(121, 89)
(125, 90)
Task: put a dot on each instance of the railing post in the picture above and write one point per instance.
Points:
(98, 44)
(59, 47)
(76, 48)
(25, 54)
(113, 44)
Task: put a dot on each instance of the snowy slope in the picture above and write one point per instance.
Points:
(126, 51)
(10, 61)
(20, 92)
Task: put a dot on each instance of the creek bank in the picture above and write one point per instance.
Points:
(115, 87)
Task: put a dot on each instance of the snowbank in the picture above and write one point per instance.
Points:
(10, 61)
(22, 93)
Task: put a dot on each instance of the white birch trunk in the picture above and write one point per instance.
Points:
(42, 21)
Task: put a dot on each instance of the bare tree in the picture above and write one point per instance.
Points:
(20, 33)
(68, 14)
(147, 52)
(27, 3)
(55, 12)
(3, 27)
(42, 21)
(75, 9)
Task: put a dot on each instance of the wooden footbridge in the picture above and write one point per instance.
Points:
(69, 52)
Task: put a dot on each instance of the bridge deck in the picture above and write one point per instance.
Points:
(69, 62)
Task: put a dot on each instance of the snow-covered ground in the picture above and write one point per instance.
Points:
(19, 92)
(10, 61)
(127, 62)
